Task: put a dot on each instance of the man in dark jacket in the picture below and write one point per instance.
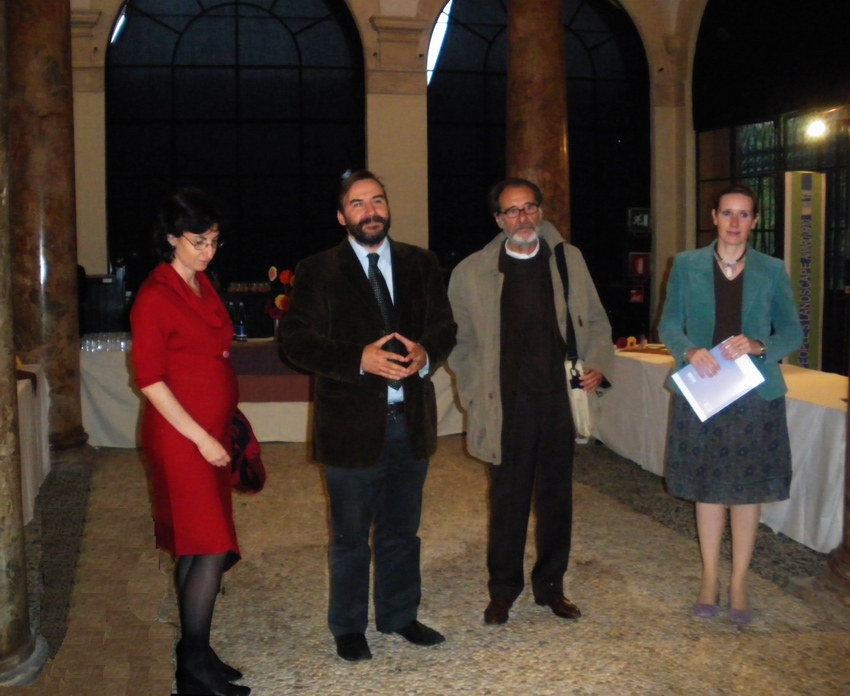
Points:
(370, 317)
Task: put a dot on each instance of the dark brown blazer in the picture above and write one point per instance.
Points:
(333, 315)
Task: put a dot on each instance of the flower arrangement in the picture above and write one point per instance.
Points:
(281, 286)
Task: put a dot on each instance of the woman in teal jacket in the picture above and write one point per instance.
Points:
(740, 457)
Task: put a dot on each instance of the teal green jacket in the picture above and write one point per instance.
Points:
(769, 312)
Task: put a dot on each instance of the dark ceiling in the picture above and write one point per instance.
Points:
(759, 58)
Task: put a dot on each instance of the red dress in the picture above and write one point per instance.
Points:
(184, 340)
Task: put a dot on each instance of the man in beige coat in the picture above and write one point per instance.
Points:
(508, 302)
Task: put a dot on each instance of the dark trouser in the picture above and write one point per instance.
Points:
(389, 496)
(537, 457)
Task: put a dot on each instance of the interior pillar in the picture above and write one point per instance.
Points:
(838, 561)
(42, 206)
(22, 654)
(537, 103)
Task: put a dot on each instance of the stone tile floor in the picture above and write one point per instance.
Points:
(634, 571)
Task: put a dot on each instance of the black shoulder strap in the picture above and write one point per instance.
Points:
(561, 260)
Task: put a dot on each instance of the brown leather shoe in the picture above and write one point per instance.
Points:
(560, 606)
(497, 611)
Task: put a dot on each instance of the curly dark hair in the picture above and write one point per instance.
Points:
(188, 210)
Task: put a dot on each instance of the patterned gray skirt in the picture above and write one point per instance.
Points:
(739, 456)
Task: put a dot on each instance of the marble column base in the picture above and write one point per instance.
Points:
(25, 667)
(81, 456)
(71, 439)
(838, 562)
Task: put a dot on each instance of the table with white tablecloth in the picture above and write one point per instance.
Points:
(111, 403)
(33, 405)
(274, 399)
(290, 421)
(635, 418)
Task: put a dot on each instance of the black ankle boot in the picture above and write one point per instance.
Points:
(197, 673)
(230, 673)
(189, 683)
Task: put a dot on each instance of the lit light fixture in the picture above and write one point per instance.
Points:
(816, 128)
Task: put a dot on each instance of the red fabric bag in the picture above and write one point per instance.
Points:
(248, 475)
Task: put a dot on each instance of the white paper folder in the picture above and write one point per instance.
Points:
(708, 395)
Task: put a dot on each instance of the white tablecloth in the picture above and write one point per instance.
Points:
(281, 421)
(33, 426)
(635, 418)
(111, 406)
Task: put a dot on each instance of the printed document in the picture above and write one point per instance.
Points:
(708, 395)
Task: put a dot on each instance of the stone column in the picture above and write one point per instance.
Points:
(22, 655)
(836, 576)
(839, 559)
(42, 206)
(537, 103)
(397, 119)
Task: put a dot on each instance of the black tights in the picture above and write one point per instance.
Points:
(198, 580)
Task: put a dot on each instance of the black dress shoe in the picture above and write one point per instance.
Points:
(560, 606)
(497, 611)
(230, 673)
(419, 634)
(353, 647)
(198, 673)
(206, 682)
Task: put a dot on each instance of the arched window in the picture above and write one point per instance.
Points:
(608, 125)
(259, 103)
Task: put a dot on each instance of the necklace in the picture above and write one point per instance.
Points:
(728, 266)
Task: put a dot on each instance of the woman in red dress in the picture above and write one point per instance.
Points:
(181, 357)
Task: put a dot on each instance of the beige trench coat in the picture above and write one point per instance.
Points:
(475, 290)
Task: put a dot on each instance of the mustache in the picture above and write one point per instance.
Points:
(360, 234)
(370, 220)
(525, 226)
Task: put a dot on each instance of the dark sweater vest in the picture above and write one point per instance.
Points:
(532, 349)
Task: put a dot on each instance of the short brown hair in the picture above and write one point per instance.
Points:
(349, 181)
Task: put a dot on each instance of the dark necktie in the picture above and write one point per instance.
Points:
(382, 294)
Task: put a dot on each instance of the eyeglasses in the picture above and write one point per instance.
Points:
(204, 244)
(528, 209)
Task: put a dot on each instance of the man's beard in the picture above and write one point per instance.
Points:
(364, 238)
(523, 244)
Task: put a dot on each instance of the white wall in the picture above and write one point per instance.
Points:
(90, 166)
(396, 129)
